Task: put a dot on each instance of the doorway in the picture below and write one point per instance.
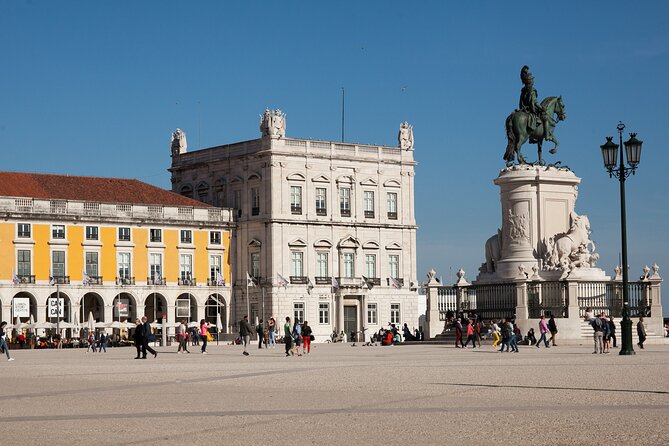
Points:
(350, 321)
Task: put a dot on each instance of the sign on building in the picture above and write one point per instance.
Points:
(121, 308)
(56, 307)
(21, 307)
(183, 308)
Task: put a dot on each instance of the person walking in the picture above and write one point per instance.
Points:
(182, 337)
(612, 329)
(204, 335)
(138, 337)
(607, 334)
(458, 334)
(598, 333)
(552, 327)
(470, 334)
(287, 337)
(641, 332)
(148, 336)
(513, 338)
(245, 333)
(306, 337)
(477, 330)
(297, 337)
(3, 340)
(260, 333)
(103, 343)
(506, 335)
(271, 327)
(495, 333)
(543, 330)
(91, 342)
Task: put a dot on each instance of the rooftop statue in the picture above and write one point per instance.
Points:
(273, 123)
(532, 120)
(178, 143)
(405, 136)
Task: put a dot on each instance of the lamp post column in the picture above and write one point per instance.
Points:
(626, 323)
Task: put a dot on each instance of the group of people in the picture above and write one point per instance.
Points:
(142, 336)
(97, 342)
(604, 331)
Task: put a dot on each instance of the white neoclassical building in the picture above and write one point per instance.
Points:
(335, 220)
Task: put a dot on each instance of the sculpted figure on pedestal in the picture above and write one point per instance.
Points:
(532, 120)
(405, 136)
(572, 249)
(178, 143)
(273, 123)
(493, 252)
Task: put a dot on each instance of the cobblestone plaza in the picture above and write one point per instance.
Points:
(414, 394)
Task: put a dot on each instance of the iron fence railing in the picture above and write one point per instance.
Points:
(547, 299)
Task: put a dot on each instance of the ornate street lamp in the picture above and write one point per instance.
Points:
(617, 168)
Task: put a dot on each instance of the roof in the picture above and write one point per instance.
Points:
(107, 190)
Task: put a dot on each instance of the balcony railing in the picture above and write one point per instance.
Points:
(350, 282)
(299, 280)
(323, 280)
(156, 281)
(321, 212)
(60, 280)
(374, 281)
(23, 279)
(125, 281)
(400, 281)
(212, 282)
(345, 212)
(255, 211)
(94, 280)
(187, 282)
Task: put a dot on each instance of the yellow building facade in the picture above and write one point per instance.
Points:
(66, 259)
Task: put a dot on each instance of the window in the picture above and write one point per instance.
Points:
(392, 205)
(124, 265)
(321, 201)
(92, 233)
(296, 262)
(156, 235)
(394, 313)
(215, 268)
(372, 315)
(370, 265)
(237, 202)
(296, 199)
(324, 313)
(123, 234)
(298, 312)
(156, 267)
(215, 237)
(255, 201)
(349, 270)
(23, 230)
(92, 269)
(186, 266)
(345, 201)
(186, 236)
(24, 267)
(368, 199)
(58, 231)
(322, 264)
(394, 265)
(255, 265)
(58, 264)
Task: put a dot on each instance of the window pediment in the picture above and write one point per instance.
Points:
(345, 179)
(236, 179)
(296, 177)
(323, 243)
(320, 179)
(394, 246)
(369, 182)
(255, 243)
(392, 183)
(348, 242)
(254, 177)
(370, 245)
(297, 243)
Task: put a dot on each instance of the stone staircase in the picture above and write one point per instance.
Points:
(651, 336)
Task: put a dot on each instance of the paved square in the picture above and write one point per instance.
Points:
(427, 394)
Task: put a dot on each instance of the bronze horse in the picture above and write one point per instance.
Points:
(518, 129)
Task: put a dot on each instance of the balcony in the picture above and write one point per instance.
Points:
(60, 280)
(399, 281)
(94, 280)
(295, 210)
(350, 282)
(345, 212)
(323, 280)
(369, 214)
(187, 282)
(299, 280)
(392, 215)
(212, 282)
(25, 279)
(125, 281)
(156, 281)
(321, 212)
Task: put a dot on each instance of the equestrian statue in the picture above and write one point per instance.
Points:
(532, 120)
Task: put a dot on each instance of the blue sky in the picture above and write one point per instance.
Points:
(95, 88)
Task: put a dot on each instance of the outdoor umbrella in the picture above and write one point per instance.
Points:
(75, 322)
(91, 322)
(219, 323)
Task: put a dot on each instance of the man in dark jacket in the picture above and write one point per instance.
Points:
(612, 328)
(245, 333)
(641, 332)
(147, 336)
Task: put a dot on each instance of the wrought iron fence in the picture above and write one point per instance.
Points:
(447, 300)
(547, 299)
(490, 301)
(607, 297)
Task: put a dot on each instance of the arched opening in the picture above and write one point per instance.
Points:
(24, 305)
(186, 308)
(215, 312)
(58, 308)
(92, 303)
(124, 308)
(155, 308)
